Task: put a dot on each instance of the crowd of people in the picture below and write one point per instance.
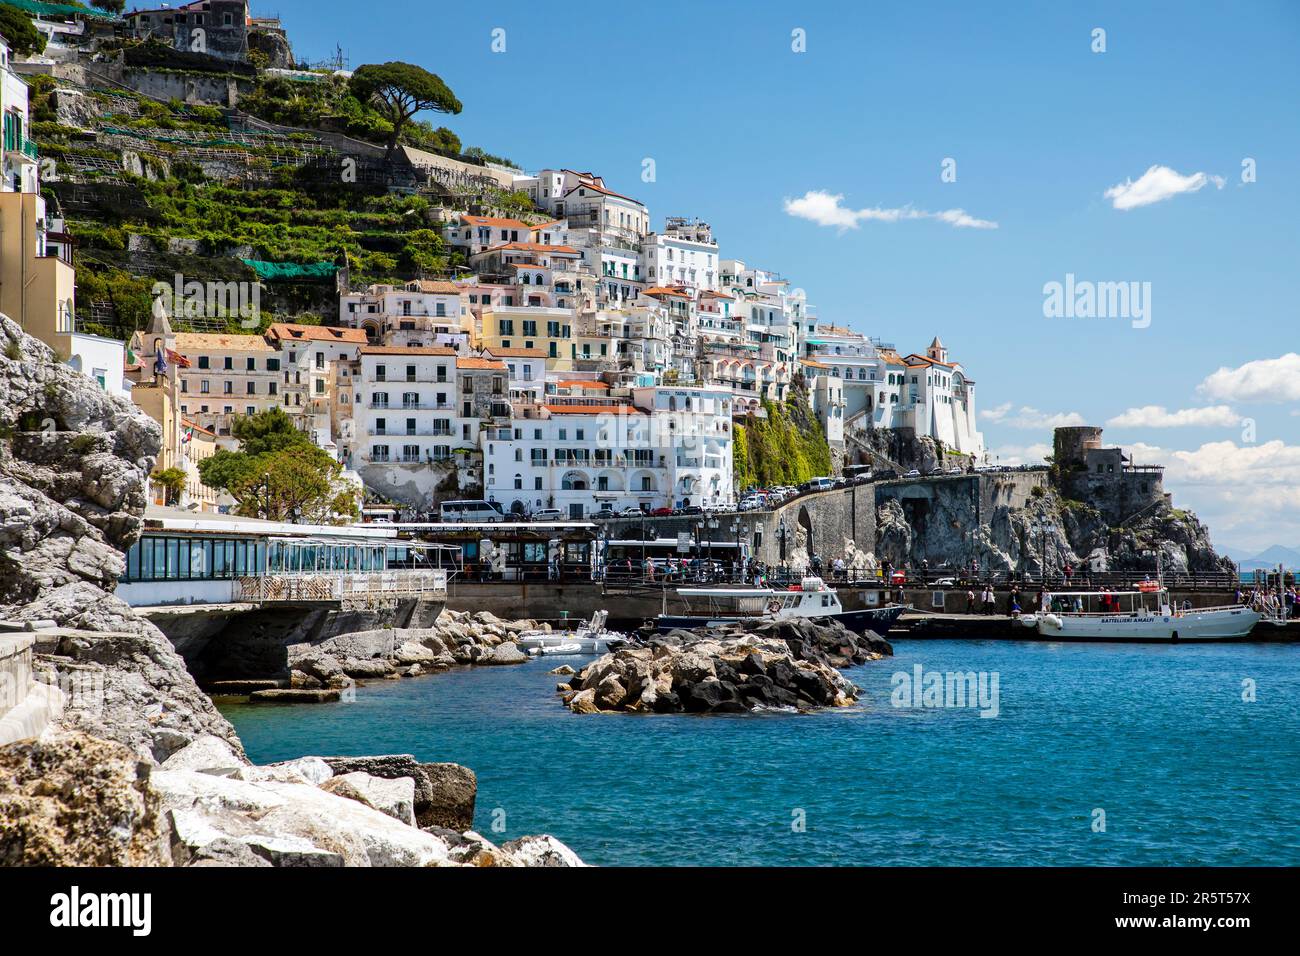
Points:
(1271, 602)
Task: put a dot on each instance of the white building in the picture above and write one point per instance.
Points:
(882, 389)
(418, 314)
(685, 253)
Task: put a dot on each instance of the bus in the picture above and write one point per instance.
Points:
(717, 559)
(468, 511)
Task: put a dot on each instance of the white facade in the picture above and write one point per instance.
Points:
(685, 253)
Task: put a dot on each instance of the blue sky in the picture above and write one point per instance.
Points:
(1040, 127)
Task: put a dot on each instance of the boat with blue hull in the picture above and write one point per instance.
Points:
(811, 598)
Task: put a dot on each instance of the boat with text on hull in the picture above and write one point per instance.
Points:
(1145, 615)
(810, 598)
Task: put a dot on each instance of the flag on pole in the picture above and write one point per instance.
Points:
(180, 361)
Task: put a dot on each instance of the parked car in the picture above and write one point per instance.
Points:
(861, 478)
(661, 513)
(605, 513)
(887, 474)
(840, 483)
(750, 503)
(631, 513)
(912, 474)
(548, 514)
(690, 510)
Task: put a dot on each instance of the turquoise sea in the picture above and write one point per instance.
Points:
(1159, 738)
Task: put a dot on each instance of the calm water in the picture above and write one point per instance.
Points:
(1157, 737)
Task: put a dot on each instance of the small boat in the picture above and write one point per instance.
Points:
(1144, 615)
(589, 638)
(810, 598)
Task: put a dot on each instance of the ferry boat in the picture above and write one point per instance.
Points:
(1144, 615)
(810, 598)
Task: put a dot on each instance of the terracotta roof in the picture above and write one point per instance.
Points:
(516, 353)
(400, 350)
(543, 225)
(197, 427)
(316, 333)
(813, 363)
(709, 293)
(593, 410)
(581, 385)
(191, 341)
(480, 363)
(603, 191)
(493, 221)
(667, 290)
(434, 286)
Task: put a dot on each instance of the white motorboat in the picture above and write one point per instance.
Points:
(812, 597)
(589, 638)
(1144, 615)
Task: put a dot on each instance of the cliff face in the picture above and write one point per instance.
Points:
(136, 766)
(1016, 536)
(73, 464)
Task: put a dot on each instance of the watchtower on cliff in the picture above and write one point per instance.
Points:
(1103, 477)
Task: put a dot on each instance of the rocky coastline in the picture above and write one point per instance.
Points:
(135, 765)
(790, 665)
(325, 670)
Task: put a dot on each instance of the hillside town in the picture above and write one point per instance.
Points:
(583, 360)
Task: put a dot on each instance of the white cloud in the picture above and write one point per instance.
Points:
(827, 209)
(1264, 380)
(1156, 184)
(1247, 494)
(996, 413)
(1029, 417)
(1157, 416)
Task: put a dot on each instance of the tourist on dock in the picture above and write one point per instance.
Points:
(838, 569)
(1015, 601)
(970, 601)
(650, 570)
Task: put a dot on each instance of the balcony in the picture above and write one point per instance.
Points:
(19, 148)
(409, 433)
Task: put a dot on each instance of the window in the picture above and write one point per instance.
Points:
(381, 373)
(379, 453)
(251, 388)
(203, 362)
(410, 373)
(273, 365)
(228, 388)
(229, 363)
(251, 364)
(379, 400)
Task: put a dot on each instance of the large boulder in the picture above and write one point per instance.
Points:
(453, 790)
(395, 797)
(72, 800)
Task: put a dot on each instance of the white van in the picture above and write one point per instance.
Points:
(821, 484)
(469, 511)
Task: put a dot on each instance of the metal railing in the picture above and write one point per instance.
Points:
(313, 586)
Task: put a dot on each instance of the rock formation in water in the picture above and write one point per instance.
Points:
(138, 767)
(744, 667)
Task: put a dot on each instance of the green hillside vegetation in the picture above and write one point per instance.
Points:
(785, 448)
(295, 210)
